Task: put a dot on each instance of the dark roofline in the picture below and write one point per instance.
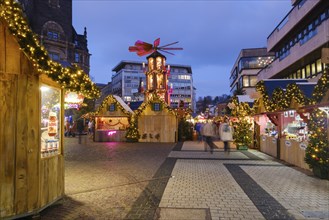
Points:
(122, 63)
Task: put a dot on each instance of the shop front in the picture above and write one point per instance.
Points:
(112, 120)
(110, 128)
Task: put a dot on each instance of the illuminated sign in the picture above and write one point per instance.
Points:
(110, 133)
(73, 98)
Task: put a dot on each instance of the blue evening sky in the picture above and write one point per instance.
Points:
(212, 33)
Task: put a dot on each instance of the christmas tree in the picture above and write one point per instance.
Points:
(317, 151)
(132, 134)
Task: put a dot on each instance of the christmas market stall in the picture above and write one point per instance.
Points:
(157, 122)
(285, 118)
(273, 113)
(112, 120)
(31, 114)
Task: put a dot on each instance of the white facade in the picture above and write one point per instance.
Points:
(126, 82)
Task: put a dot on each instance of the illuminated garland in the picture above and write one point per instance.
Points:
(71, 78)
(110, 100)
(281, 100)
(155, 99)
(260, 87)
(321, 87)
(317, 152)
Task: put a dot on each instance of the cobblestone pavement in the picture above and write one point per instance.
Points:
(182, 181)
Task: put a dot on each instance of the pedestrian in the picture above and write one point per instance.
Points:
(208, 131)
(198, 127)
(90, 126)
(226, 134)
(67, 128)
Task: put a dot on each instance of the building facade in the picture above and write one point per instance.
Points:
(297, 42)
(129, 80)
(51, 20)
(247, 65)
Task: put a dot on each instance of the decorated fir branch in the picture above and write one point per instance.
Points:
(317, 152)
(281, 100)
(70, 78)
(321, 87)
(260, 87)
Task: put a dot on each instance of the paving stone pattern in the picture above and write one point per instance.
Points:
(156, 181)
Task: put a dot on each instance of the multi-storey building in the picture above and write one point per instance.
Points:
(51, 20)
(297, 42)
(129, 79)
(247, 65)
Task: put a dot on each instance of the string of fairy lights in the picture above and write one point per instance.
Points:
(70, 78)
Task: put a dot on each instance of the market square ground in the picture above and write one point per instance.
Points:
(181, 181)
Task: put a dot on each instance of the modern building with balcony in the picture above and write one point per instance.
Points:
(297, 42)
(129, 80)
(247, 65)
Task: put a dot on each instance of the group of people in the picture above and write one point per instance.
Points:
(77, 127)
(207, 131)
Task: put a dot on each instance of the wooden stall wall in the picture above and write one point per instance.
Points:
(157, 126)
(20, 171)
(19, 146)
(293, 152)
(268, 145)
(52, 168)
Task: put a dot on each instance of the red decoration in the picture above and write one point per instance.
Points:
(142, 48)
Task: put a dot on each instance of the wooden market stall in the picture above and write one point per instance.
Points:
(112, 120)
(157, 122)
(31, 115)
(283, 132)
(31, 144)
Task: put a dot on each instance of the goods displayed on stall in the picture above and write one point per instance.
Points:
(50, 126)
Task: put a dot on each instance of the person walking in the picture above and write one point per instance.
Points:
(226, 134)
(208, 131)
(198, 128)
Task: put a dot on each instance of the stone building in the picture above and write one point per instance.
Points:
(51, 20)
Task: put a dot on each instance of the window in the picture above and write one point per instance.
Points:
(319, 66)
(246, 81)
(308, 71)
(156, 107)
(54, 56)
(303, 73)
(313, 69)
(112, 107)
(77, 58)
(53, 35)
(50, 128)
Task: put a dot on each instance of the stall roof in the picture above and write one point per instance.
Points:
(307, 88)
(135, 105)
(123, 104)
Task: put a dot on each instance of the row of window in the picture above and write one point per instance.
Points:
(309, 71)
(182, 77)
(254, 62)
(303, 36)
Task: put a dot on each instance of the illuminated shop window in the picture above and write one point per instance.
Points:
(50, 121)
